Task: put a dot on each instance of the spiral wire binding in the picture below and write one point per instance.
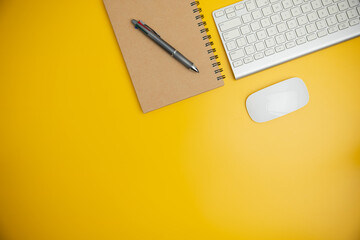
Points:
(202, 24)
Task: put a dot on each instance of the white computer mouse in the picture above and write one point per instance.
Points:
(277, 100)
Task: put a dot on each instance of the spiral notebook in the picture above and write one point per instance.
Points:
(158, 79)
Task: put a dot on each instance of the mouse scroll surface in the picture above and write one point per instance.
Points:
(277, 100)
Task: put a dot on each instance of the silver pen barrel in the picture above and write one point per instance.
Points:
(164, 45)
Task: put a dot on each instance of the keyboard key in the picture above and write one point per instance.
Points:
(311, 28)
(255, 26)
(321, 24)
(241, 42)
(333, 9)
(292, 24)
(231, 45)
(265, 22)
(277, 7)
(311, 37)
(302, 20)
(237, 54)
(275, 19)
(259, 46)
(261, 34)
(248, 60)
(246, 18)
(352, 13)
(250, 5)
(219, 14)
(353, 3)
(258, 56)
(306, 8)
(267, 11)
(285, 15)
(343, 25)
(290, 44)
(280, 39)
(323, 13)
(270, 42)
(262, 3)
(322, 33)
(245, 29)
(316, 4)
(256, 14)
(331, 21)
(229, 10)
(343, 5)
(354, 22)
(229, 24)
(239, 6)
(238, 63)
(287, 4)
(332, 29)
(231, 15)
(290, 35)
(279, 48)
(282, 27)
(312, 16)
(231, 34)
(341, 17)
(300, 32)
(301, 41)
(296, 11)
(249, 50)
(326, 2)
(297, 2)
(271, 31)
(269, 52)
(251, 38)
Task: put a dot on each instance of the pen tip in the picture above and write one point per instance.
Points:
(195, 69)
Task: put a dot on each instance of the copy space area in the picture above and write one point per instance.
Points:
(79, 159)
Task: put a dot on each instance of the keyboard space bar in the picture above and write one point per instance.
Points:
(229, 24)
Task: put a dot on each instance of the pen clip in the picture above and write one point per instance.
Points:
(152, 30)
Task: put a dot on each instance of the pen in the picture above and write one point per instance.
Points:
(164, 45)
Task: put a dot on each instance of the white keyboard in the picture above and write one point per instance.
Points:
(258, 34)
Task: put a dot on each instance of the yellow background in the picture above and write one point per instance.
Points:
(79, 160)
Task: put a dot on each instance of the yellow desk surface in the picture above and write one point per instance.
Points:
(79, 160)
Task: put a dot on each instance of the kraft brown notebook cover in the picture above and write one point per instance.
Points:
(158, 79)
